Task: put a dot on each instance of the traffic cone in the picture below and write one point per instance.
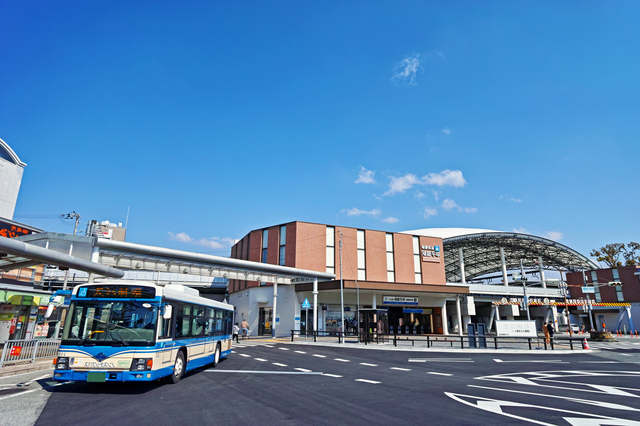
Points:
(585, 345)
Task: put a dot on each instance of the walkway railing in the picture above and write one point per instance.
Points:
(15, 351)
(441, 341)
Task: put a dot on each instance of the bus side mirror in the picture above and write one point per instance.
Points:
(167, 312)
(49, 311)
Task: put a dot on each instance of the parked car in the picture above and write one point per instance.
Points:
(574, 328)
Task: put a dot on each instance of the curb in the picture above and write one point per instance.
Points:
(13, 370)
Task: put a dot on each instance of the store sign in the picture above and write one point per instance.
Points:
(397, 300)
(516, 328)
(430, 253)
(10, 230)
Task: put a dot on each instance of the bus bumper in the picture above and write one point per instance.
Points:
(110, 376)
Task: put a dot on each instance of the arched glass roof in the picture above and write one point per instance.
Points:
(481, 251)
(7, 153)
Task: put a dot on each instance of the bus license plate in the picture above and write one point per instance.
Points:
(97, 377)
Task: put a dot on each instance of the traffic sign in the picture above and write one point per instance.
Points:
(306, 304)
(586, 290)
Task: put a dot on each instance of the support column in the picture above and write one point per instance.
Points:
(463, 279)
(493, 313)
(275, 300)
(631, 327)
(374, 303)
(505, 277)
(541, 266)
(315, 304)
(459, 315)
(554, 318)
(445, 319)
(95, 257)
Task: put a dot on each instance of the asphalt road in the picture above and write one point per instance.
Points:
(294, 384)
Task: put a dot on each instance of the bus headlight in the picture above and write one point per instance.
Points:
(61, 363)
(141, 364)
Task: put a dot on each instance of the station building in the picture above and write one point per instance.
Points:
(429, 281)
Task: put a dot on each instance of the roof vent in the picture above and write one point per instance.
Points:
(182, 288)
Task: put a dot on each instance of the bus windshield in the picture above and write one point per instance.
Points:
(119, 323)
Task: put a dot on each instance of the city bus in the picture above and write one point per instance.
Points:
(133, 331)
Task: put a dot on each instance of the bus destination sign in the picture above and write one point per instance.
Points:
(117, 292)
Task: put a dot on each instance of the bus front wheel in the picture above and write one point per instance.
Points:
(216, 355)
(178, 368)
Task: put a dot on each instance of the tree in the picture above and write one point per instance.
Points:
(630, 254)
(610, 254)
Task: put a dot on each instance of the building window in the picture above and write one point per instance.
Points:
(265, 240)
(283, 242)
(331, 250)
(391, 275)
(416, 260)
(616, 277)
(362, 266)
(594, 280)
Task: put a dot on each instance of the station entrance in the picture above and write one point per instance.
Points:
(412, 321)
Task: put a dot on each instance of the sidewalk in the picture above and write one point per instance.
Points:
(26, 367)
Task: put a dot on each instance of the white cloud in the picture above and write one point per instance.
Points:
(553, 235)
(406, 70)
(212, 242)
(419, 195)
(448, 204)
(402, 183)
(521, 231)
(445, 178)
(446, 131)
(365, 176)
(390, 220)
(512, 199)
(440, 54)
(428, 212)
(357, 212)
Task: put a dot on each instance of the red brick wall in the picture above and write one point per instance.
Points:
(311, 244)
(349, 253)
(433, 272)
(290, 250)
(403, 258)
(376, 255)
(630, 287)
(273, 244)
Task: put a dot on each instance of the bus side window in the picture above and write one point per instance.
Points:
(210, 331)
(165, 326)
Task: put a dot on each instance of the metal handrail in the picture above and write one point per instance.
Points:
(28, 350)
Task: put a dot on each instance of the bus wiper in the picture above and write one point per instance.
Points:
(124, 342)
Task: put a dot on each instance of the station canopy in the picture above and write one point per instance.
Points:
(481, 252)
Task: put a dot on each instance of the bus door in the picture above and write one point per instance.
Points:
(164, 336)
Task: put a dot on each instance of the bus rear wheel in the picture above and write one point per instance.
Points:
(178, 369)
(216, 356)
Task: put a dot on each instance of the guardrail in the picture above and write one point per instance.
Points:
(431, 341)
(28, 350)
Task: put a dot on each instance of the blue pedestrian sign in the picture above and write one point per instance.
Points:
(306, 304)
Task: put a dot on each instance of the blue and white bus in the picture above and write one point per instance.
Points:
(133, 331)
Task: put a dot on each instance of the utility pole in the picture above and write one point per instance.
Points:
(524, 290)
(341, 289)
(565, 290)
(76, 216)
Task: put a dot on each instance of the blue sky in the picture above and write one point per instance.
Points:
(210, 119)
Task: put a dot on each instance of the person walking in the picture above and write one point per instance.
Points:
(236, 331)
(551, 330)
(545, 330)
(245, 328)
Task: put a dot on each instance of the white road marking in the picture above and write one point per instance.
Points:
(400, 369)
(284, 349)
(244, 355)
(260, 359)
(303, 370)
(368, 365)
(268, 346)
(280, 365)
(331, 375)
(300, 352)
(373, 382)
(440, 359)
(320, 356)
(439, 374)
(262, 372)
(341, 360)
(33, 390)
(544, 361)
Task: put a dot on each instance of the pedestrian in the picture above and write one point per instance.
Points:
(582, 328)
(551, 330)
(545, 329)
(245, 328)
(236, 331)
